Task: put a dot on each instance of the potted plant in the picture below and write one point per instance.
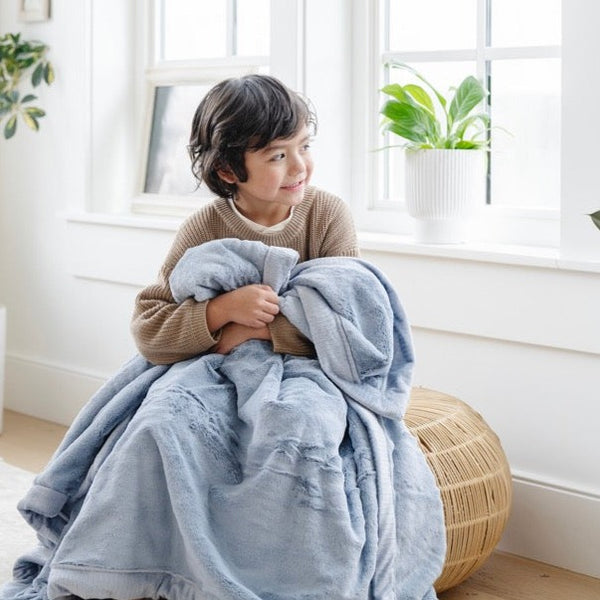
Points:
(19, 58)
(446, 140)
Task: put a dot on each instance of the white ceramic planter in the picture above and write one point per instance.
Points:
(444, 189)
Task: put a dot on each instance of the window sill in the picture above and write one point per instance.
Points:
(526, 256)
(129, 220)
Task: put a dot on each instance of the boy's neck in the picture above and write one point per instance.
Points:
(266, 216)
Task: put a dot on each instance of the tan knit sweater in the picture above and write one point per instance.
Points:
(167, 332)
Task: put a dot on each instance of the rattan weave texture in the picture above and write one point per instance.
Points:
(473, 476)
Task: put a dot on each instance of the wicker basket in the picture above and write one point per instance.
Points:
(472, 473)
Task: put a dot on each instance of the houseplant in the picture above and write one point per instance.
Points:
(19, 58)
(446, 140)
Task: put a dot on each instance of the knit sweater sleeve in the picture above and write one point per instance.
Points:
(164, 331)
(340, 233)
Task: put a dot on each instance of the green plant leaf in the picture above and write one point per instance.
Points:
(421, 96)
(35, 112)
(36, 76)
(396, 91)
(401, 65)
(30, 121)
(411, 122)
(468, 95)
(48, 73)
(462, 126)
(595, 216)
(469, 145)
(11, 127)
(28, 98)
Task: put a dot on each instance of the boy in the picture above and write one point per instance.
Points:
(250, 144)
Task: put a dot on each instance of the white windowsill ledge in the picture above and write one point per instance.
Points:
(526, 256)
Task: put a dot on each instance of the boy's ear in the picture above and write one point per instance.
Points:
(227, 175)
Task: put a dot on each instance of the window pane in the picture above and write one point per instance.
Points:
(168, 168)
(526, 101)
(253, 31)
(194, 29)
(526, 23)
(432, 24)
(443, 76)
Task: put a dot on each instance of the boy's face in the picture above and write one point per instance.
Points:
(277, 177)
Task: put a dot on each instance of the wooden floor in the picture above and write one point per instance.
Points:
(28, 443)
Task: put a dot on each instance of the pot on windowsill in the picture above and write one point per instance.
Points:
(444, 189)
(446, 145)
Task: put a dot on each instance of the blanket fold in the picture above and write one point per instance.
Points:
(251, 475)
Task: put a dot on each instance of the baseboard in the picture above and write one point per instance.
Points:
(47, 391)
(555, 524)
(549, 522)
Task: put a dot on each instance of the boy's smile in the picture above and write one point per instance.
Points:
(277, 177)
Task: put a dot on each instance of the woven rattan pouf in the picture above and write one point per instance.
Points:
(472, 474)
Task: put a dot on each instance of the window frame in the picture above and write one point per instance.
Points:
(159, 72)
(494, 223)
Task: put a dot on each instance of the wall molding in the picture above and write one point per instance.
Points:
(555, 524)
(47, 390)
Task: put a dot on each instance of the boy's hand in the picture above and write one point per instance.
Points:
(234, 334)
(252, 305)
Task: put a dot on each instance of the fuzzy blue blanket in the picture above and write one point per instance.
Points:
(253, 475)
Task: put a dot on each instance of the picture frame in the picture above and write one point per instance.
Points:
(172, 99)
(167, 170)
(34, 11)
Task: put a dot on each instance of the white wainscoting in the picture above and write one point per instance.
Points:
(48, 390)
(554, 525)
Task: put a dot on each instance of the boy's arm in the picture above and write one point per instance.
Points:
(287, 339)
(164, 331)
(340, 236)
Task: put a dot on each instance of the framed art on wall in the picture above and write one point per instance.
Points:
(34, 10)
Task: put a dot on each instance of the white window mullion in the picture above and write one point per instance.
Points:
(482, 31)
(231, 27)
(288, 61)
(156, 41)
(431, 55)
(527, 52)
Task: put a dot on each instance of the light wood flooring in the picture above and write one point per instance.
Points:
(28, 443)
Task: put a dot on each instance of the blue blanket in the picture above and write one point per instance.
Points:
(252, 475)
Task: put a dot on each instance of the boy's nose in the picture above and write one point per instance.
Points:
(297, 165)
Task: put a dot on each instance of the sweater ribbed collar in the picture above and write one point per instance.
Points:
(295, 226)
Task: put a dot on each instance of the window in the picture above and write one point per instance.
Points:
(514, 48)
(192, 45)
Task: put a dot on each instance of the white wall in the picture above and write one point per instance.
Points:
(519, 342)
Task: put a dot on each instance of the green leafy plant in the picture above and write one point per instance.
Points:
(427, 119)
(18, 58)
(595, 218)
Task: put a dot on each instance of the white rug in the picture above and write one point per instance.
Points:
(16, 536)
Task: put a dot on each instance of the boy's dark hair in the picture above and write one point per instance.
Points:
(240, 114)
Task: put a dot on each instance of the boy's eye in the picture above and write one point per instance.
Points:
(278, 156)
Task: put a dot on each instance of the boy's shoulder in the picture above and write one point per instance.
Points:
(201, 224)
(322, 199)
(323, 204)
